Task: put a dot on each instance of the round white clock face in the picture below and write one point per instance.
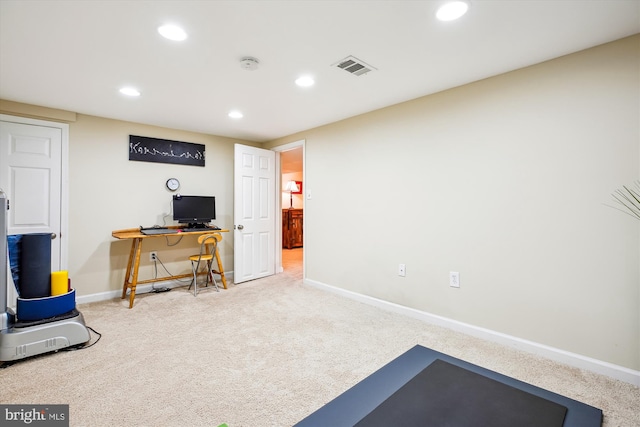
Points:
(173, 184)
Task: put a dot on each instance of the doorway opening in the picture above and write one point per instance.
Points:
(292, 203)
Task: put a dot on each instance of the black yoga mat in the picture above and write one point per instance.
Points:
(35, 265)
(445, 395)
(13, 242)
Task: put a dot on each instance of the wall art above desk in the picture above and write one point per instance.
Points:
(145, 149)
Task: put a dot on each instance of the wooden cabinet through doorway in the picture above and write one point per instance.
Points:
(292, 228)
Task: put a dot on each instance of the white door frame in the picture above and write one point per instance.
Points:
(279, 149)
(64, 179)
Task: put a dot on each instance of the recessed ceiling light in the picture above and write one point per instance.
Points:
(305, 81)
(452, 10)
(172, 32)
(235, 114)
(129, 91)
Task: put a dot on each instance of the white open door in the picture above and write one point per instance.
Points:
(30, 174)
(32, 171)
(254, 213)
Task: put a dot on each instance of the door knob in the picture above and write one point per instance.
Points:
(241, 227)
(53, 236)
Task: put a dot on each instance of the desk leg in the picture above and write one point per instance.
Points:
(131, 275)
(127, 273)
(220, 269)
(136, 265)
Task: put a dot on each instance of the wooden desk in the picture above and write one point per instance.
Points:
(131, 275)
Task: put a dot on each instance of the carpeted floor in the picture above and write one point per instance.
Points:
(263, 353)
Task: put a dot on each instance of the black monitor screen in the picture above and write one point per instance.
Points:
(194, 210)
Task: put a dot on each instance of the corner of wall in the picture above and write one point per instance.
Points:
(36, 112)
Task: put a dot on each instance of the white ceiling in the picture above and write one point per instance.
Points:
(75, 55)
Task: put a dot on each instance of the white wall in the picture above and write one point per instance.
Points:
(505, 181)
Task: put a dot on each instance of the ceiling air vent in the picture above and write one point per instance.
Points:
(354, 66)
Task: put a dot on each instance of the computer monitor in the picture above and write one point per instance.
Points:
(195, 211)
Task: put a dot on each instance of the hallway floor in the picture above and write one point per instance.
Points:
(292, 261)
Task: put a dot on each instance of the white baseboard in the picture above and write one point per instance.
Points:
(576, 360)
(142, 289)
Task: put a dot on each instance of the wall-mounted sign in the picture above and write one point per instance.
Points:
(144, 149)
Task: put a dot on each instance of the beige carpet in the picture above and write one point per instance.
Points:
(263, 353)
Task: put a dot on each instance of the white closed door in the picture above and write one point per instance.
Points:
(254, 213)
(30, 175)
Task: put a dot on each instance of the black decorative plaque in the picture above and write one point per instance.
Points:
(144, 149)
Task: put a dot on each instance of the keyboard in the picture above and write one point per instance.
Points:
(151, 231)
(208, 227)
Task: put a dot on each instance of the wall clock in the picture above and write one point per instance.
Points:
(173, 184)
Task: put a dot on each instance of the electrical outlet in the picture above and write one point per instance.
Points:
(402, 270)
(454, 279)
(153, 256)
